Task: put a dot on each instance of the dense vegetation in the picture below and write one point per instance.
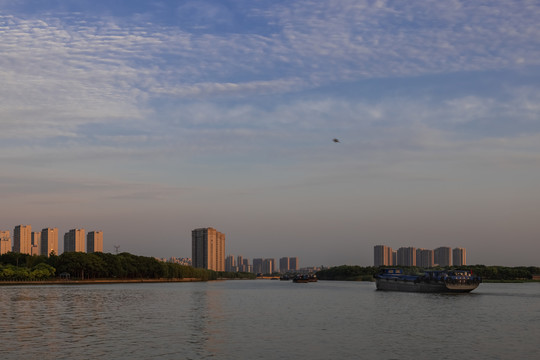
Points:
(23, 267)
(79, 265)
(347, 272)
(494, 273)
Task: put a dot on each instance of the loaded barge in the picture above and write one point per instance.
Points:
(436, 281)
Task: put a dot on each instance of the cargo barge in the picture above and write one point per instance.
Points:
(435, 281)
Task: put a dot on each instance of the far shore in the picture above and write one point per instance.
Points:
(98, 281)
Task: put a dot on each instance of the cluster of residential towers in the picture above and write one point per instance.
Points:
(208, 252)
(260, 265)
(45, 242)
(411, 256)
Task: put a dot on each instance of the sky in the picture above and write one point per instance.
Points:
(148, 119)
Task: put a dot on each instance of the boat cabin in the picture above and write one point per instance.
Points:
(391, 271)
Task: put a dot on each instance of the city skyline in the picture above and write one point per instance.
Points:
(204, 240)
(47, 240)
(150, 119)
(442, 256)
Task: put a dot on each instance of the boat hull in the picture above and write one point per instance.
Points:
(390, 284)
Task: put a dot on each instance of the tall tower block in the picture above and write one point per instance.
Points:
(208, 249)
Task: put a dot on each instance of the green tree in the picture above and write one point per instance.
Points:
(73, 263)
(42, 271)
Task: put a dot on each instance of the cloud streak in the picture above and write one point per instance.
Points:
(110, 67)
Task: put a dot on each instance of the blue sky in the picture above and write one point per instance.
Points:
(149, 119)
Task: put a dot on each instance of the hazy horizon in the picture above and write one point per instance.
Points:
(147, 120)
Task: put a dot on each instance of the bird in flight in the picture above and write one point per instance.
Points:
(335, 140)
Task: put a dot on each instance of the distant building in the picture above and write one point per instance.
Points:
(230, 264)
(382, 255)
(74, 240)
(284, 265)
(243, 264)
(181, 261)
(258, 266)
(419, 256)
(293, 263)
(459, 257)
(49, 241)
(246, 267)
(22, 239)
(240, 263)
(5, 242)
(208, 249)
(309, 270)
(443, 256)
(406, 256)
(424, 258)
(268, 266)
(94, 242)
(36, 243)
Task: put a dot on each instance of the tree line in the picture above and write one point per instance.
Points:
(79, 265)
(490, 273)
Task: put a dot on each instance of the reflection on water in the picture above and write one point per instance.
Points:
(202, 322)
(266, 320)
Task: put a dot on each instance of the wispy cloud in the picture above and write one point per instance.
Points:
(53, 190)
(298, 130)
(108, 85)
(205, 90)
(89, 69)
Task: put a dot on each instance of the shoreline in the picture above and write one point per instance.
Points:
(99, 281)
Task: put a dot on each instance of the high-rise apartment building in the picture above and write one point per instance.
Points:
(459, 257)
(74, 240)
(443, 256)
(293, 263)
(22, 239)
(382, 255)
(284, 265)
(268, 266)
(49, 241)
(208, 249)
(94, 242)
(258, 266)
(406, 256)
(424, 258)
(230, 264)
(419, 256)
(240, 263)
(246, 267)
(5, 242)
(36, 243)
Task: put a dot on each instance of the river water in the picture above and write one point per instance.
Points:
(265, 319)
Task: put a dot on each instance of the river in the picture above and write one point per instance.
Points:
(265, 319)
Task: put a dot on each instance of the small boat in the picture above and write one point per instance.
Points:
(312, 278)
(435, 281)
(301, 279)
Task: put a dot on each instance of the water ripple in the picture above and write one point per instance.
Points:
(266, 320)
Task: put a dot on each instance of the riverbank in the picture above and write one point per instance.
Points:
(97, 281)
